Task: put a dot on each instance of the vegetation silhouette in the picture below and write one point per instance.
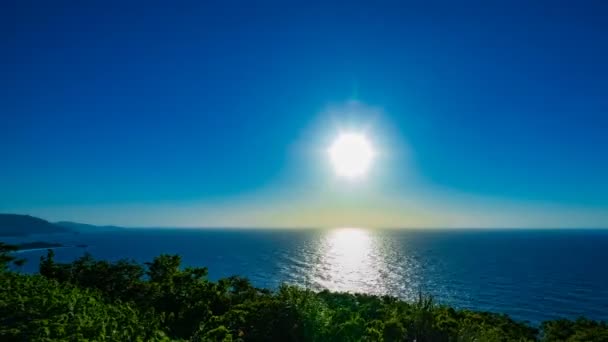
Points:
(96, 300)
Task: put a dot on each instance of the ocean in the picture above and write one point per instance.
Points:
(532, 275)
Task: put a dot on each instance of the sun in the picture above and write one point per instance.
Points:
(351, 155)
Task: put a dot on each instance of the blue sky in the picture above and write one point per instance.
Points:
(213, 113)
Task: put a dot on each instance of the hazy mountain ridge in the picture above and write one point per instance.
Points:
(84, 227)
(22, 225)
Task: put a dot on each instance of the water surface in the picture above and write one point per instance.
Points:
(530, 274)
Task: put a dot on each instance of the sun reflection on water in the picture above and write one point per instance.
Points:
(351, 260)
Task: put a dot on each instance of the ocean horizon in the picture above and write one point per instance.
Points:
(531, 274)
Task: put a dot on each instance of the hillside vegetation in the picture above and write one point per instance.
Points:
(97, 300)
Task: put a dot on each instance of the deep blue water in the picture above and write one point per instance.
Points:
(532, 275)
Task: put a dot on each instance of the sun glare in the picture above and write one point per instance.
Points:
(351, 155)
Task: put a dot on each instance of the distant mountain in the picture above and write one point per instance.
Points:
(20, 225)
(86, 228)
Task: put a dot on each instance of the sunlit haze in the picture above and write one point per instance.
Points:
(248, 115)
(351, 155)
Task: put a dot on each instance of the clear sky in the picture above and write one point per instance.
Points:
(218, 113)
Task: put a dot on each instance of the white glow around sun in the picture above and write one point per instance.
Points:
(351, 155)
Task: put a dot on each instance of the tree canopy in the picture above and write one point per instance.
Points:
(97, 300)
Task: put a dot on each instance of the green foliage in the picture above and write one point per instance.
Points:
(119, 280)
(7, 258)
(575, 331)
(34, 308)
(97, 300)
